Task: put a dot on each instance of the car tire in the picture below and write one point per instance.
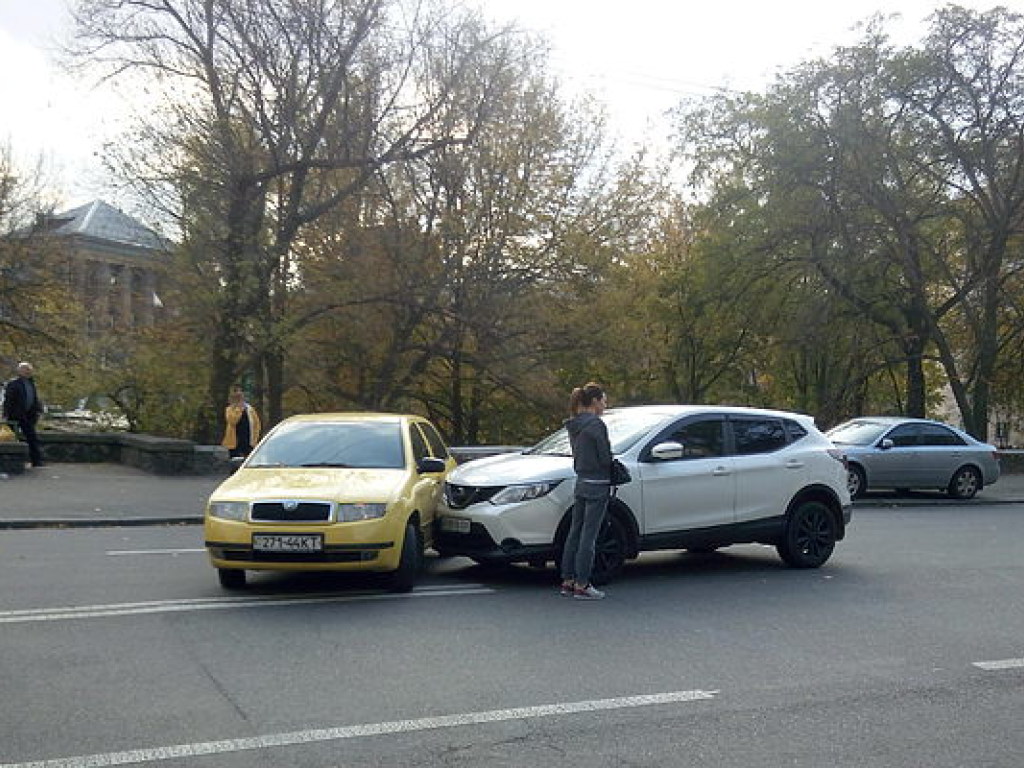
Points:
(965, 483)
(403, 578)
(809, 536)
(856, 481)
(231, 578)
(609, 551)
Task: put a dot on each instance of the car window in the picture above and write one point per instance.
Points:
(419, 444)
(701, 438)
(794, 430)
(903, 436)
(758, 435)
(437, 446)
(359, 444)
(935, 434)
(857, 432)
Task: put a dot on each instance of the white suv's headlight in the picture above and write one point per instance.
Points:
(515, 493)
(350, 513)
(230, 510)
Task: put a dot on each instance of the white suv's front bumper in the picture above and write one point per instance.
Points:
(515, 531)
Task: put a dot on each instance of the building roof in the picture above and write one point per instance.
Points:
(101, 221)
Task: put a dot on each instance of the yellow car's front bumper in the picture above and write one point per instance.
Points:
(368, 545)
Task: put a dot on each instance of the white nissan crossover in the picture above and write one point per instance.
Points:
(704, 477)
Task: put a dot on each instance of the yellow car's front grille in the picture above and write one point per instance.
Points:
(286, 511)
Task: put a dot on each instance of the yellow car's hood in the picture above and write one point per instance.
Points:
(331, 484)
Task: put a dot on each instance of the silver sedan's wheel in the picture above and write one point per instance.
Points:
(965, 484)
(856, 482)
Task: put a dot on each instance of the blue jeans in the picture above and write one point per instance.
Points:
(587, 515)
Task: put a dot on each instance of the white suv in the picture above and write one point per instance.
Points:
(704, 477)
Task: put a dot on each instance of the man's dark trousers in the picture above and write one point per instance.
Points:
(27, 425)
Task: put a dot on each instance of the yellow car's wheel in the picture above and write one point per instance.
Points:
(231, 578)
(404, 577)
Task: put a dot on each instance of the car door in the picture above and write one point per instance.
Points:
(767, 475)
(428, 487)
(695, 490)
(896, 466)
(941, 452)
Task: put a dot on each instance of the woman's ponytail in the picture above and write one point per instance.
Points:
(584, 397)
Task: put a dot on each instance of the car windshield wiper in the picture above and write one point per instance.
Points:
(327, 464)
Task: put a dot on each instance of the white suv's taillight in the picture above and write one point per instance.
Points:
(839, 456)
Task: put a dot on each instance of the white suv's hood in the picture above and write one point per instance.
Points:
(509, 468)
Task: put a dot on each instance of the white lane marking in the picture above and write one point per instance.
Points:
(178, 751)
(28, 615)
(123, 552)
(1002, 664)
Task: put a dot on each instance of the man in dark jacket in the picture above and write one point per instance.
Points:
(23, 406)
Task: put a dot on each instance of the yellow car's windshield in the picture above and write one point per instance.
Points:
(356, 444)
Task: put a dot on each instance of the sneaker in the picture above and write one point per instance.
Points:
(567, 589)
(588, 593)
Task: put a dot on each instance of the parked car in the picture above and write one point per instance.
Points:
(704, 477)
(902, 453)
(331, 492)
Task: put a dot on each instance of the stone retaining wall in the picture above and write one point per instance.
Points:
(157, 455)
(1011, 462)
(13, 458)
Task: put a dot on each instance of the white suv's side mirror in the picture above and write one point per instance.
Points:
(667, 451)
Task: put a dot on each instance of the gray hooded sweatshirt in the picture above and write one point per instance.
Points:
(591, 452)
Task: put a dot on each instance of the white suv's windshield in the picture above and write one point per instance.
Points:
(624, 429)
(857, 432)
(358, 444)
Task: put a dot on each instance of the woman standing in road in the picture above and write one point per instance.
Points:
(592, 460)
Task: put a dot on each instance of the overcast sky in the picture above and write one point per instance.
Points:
(640, 57)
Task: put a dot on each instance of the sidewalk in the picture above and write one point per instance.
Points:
(99, 495)
(96, 495)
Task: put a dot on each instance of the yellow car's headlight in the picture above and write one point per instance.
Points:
(229, 510)
(350, 513)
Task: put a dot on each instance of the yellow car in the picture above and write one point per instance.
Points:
(331, 492)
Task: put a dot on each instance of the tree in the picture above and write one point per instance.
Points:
(39, 317)
(873, 166)
(274, 113)
(965, 91)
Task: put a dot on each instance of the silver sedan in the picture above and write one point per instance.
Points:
(902, 453)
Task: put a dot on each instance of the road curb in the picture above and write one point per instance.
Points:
(860, 503)
(104, 522)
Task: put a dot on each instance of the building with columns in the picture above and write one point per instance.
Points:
(115, 265)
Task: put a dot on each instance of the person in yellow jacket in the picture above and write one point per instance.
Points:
(241, 424)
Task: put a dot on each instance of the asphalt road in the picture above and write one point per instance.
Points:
(117, 647)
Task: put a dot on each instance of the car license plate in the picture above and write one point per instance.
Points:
(455, 525)
(288, 542)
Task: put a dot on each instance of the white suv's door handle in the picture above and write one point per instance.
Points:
(719, 471)
(794, 464)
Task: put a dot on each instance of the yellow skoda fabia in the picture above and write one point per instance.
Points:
(331, 492)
